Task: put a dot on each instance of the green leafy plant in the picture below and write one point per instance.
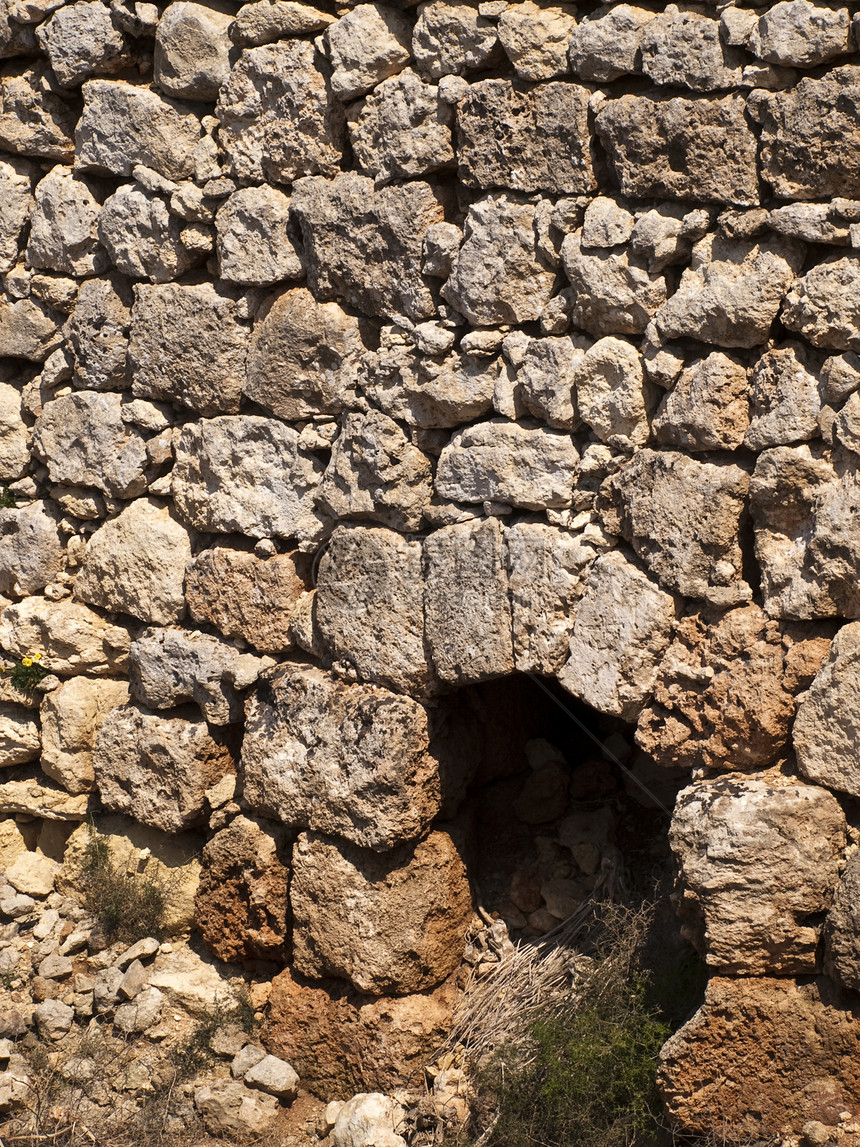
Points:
(128, 906)
(27, 673)
(7, 499)
(195, 1053)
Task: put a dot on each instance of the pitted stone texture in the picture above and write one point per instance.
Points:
(799, 159)
(615, 292)
(827, 725)
(841, 929)
(188, 346)
(612, 396)
(525, 138)
(605, 45)
(391, 924)
(763, 1057)
(623, 624)
(72, 638)
(824, 305)
(98, 334)
(85, 442)
(71, 717)
(784, 399)
(548, 571)
(276, 121)
(665, 146)
(683, 519)
(144, 240)
(500, 275)
(29, 330)
(31, 550)
(305, 357)
(757, 858)
(353, 761)
(227, 1107)
(732, 291)
(262, 21)
(813, 222)
(370, 607)
(684, 49)
(247, 597)
(724, 696)
(376, 473)
(798, 34)
(805, 533)
(17, 177)
(192, 51)
(451, 39)
(535, 38)
(708, 408)
(157, 768)
(353, 234)
(14, 444)
(169, 667)
(81, 40)
(123, 126)
(241, 906)
(246, 475)
(402, 129)
(501, 461)
(19, 736)
(546, 378)
(36, 120)
(135, 563)
(255, 247)
(366, 46)
(467, 611)
(63, 226)
(665, 235)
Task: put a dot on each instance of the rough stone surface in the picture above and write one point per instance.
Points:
(393, 923)
(229, 1108)
(615, 292)
(684, 49)
(82, 40)
(19, 736)
(708, 408)
(71, 637)
(366, 46)
(612, 396)
(35, 119)
(605, 45)
(31, 555)
(98, 334)
(63, 226)
(822, 306)
(825, 730)
(143, 239)
(192, 51)
(450, 39)
(535, 39)
(71, 716)
(254, 244)
(347, 760)
(784, 399)
(266, 20)
(402, 130)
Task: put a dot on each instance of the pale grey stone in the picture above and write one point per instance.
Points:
(98, 334)
(606, 223)
(798, 34)
(546, 377)
(19, 736)
(824, 305)
(366, 46)
(684, 49)
(369, 1115)
(826, 727)
(605, 45)
(784, 399)
(192, 50)
(840, 376)
(536, 39)
(14, 445)
(812, 223)
(63, 233)
(708, 408)
(144, 239)
(451, 39)
(17, 177)
(841, 929)
(32, 551)
(30, 330)
(263, 21)
(665, 235)
(612, 395)
(36, 119)
(143, 1013)
(54, 1019)
(227, 1107)
(615, 293)
(402, 129)
(275, 1077)
(82, 40)
(255, 247)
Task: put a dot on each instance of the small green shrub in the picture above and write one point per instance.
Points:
(195, 1053)
(128, 906)
(27, 673)
(7, 499)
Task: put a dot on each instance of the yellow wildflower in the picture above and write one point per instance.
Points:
(27, 662)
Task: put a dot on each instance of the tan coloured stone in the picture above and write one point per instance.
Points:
(248, 597)
(826, 729)
(605, 45)
(254, 244)
(763, 1057)
(684, 49)
(796, 33)
(391, 923)
(535, 38)
(367, 45)
(267, 20)
(615, 293)
(758, 859)
(135, 563)
(612, 396)
(32, 553)
(841, 929)
(14, 449)
(71, 717)
(19, 736)
(35, 118)
(708, 408)
(824, 305)
(16, 201)
(370, 608)
(29, 797)
(146, 241)
(98, 334)
(401, 130)
(28, 329)
(348, 760)
(450, 39)
(546, 376)
(70, 637)
(157, 768)
(63, 226)
(725, 692)
(784, 399)
(81, 39)
(192, 51)
(241, 907)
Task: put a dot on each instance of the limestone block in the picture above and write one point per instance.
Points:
(606, 223)
(546, 377)
(241, 907)
(451, 39)
(19, 736)
(684, 49)
(247, 597)
(525, 138)
(353, 234)
(823, 306)
(71, 638)
(664, 145)
(724, 697)
(376, 473)
(14, 445)
(605, 45)
(29, 330)
(157, 768)
(135, 563)
(85, 442)
(369, 1118)
(82, 40)
(227, 1107)
(98, 334)
(840, 377)
(370, 607)
(123, 126)
(665, 235)
(247, 475)
(71, 717)
(348, 760)
(612, 396)
(16, 201)
(784, 399)
(813, 222)
(401, 130)
(390, 923)
(795, 33)
(275, 1077)
(366, 46)
(144, 240)
(708, 408)
(32, 551)
(63, 226)
(266, 20)
(536, 38)
(756, 860)
(841, 929)
(29, 797)
(36, 120)
(467, 612)
(615, 293)
(276, 122)
(192, 51)
(255, 247)
(501, 461)
(682, 517)
(826, 727)
(304, 357)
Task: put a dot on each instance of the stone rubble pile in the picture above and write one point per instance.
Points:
(353, 354)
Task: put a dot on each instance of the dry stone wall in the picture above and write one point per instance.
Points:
(353, 354)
